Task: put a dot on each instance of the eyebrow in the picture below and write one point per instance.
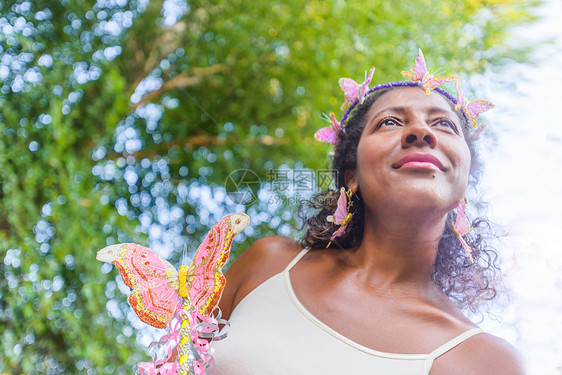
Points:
(391, 109)
(402, 110)
(431, 110)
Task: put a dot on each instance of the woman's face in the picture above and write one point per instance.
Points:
(412, 153)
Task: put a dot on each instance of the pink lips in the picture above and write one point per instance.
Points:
(418, 160)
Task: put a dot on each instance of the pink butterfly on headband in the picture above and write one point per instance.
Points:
(419, 73)
(155, 283)
(341, 217)
(462, 227)
(329, 134)
(354, 91)
(471, 108)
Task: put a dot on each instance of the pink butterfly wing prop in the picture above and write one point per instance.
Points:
(153, 281)
(341, 211)
(206, 281)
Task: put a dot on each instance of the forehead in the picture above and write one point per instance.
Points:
(413, 98)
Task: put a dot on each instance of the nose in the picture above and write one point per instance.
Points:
(418, 134)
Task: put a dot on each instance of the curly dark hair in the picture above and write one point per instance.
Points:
(466, 284)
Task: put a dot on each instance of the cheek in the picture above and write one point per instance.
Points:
(368, 156)
(464, 163)
(373, 166)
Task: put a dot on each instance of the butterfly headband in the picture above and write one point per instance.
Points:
(355, 94)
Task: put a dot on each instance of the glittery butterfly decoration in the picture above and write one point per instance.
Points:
(158, 289)
(462, 227)
(341, 216)
(155, 283)
(419, 73)
(354, 91)
(471, 108)
(329, 134)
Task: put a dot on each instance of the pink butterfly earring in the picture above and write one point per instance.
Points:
(341, 216)
(471, 108)
(462, 227)
(419, 73)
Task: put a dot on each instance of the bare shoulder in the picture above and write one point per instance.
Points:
(263, 259)
(481, 354)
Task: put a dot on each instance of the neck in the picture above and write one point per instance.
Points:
(399, 249)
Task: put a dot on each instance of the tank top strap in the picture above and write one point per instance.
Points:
(454, 342)
(296, 259)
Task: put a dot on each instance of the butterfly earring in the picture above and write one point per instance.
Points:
(462, 227)
(419, 73)
(342, 216)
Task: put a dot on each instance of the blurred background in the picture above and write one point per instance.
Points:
(147, 121)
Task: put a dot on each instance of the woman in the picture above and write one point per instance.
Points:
(382, 298)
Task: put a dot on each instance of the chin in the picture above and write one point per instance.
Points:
(419, 199)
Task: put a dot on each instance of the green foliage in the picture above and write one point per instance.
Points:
(122, 121)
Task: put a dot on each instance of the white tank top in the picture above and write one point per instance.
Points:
(272, 333)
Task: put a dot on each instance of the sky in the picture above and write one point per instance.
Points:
(522, 183)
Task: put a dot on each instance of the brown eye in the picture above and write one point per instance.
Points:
(237, 221)
(449, 124)
(388, 122)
